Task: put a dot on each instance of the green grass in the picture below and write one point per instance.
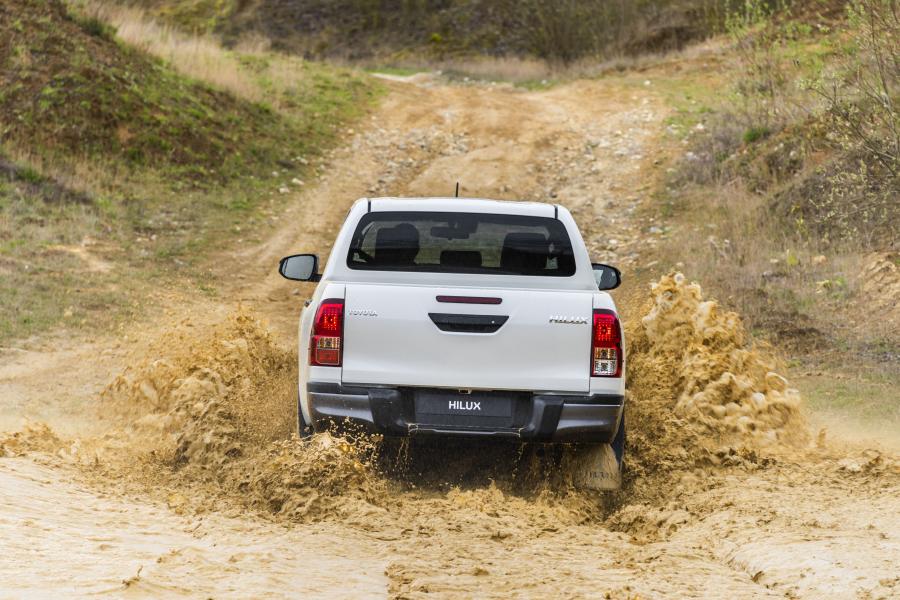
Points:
(538, 85)
(104, 101)
(398, 71)
(45, 280)
(868, 400)
(692, 97)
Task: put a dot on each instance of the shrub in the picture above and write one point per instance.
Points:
(863, 91)
(754, 134)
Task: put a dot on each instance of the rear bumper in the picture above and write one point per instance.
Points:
(537, 417)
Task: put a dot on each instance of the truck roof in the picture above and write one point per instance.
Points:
(450, 204)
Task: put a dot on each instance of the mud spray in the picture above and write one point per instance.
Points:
(699, 394)
(208, 417)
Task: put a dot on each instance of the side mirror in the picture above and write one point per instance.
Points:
(607, 277)
(300, 267)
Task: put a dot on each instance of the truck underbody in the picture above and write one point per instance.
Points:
(517, 415)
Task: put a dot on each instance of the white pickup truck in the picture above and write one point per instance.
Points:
(464, 317)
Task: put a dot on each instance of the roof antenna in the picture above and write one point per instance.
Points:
(457, 189)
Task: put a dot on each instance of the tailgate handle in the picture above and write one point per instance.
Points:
(468, 323)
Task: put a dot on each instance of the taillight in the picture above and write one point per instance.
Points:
(326, 343)
(606, 345)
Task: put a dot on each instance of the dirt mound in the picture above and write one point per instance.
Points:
(880, 277)
(699, 392)
(442, 28)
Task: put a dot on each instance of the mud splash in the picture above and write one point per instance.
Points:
(213, 412)
(203, 423)
(700, 396)
(699, 392)
(34, 437)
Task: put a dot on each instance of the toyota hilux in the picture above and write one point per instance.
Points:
(463, 317)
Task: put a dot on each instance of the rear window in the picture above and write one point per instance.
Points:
(452, 242)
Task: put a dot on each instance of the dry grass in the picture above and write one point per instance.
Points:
(202, 58)
(516, 70)
(532, 72)
(250, 71)
(142, 179)
(787, 289)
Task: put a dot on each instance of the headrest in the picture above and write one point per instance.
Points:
(470, 259)
(524, 252)
(396, 246)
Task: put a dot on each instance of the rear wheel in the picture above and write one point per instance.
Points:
(618, 442)
(304, 429)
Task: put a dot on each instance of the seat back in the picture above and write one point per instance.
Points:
(525, 253)
(396, 246)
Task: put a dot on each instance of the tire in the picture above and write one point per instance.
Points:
(304, 429)
(618, 442)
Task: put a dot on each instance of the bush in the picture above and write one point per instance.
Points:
(863, 91)
(754, 134)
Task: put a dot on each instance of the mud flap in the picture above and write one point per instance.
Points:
(594, 467)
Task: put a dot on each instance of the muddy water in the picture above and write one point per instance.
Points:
(166, 468)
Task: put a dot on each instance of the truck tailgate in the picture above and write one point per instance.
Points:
(532, 340)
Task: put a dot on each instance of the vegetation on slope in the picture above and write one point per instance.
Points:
(784, 200)
(113, 157)
(563, 30)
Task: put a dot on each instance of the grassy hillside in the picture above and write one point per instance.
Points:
(564, 30)
(112, 158)
(783, 197)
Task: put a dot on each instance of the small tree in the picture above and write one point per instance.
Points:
(862, 93)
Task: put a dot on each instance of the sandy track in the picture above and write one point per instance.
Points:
(820, 524)
(61, 539)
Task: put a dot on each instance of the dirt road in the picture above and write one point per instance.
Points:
(171, 482)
